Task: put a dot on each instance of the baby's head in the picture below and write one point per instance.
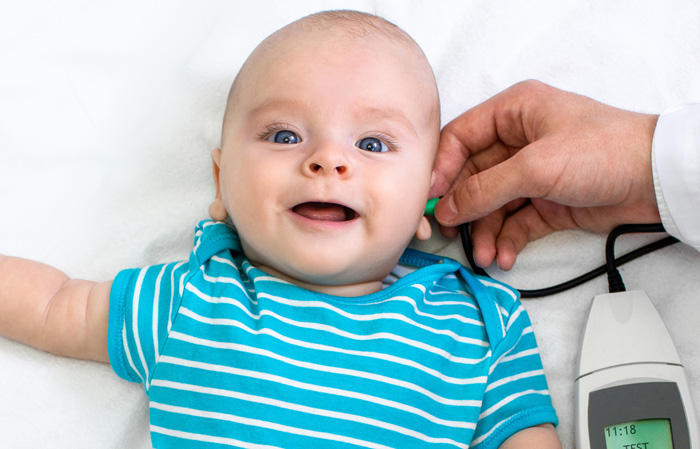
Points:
(328, 144)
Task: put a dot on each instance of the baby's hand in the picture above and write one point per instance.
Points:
(44, 308)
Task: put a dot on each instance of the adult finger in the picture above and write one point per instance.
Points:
(482, 193)
(532, 222)
(521, 228)
(448, 232)
(483, 234)
(450, 161)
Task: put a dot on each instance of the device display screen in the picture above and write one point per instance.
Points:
(644, 434)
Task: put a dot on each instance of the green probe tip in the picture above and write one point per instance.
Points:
(430, 207)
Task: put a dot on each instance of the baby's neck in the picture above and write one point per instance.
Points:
(346, 290)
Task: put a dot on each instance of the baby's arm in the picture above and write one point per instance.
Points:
(537, 437)
(44, 308)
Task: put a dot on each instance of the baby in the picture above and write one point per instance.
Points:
(300, 318)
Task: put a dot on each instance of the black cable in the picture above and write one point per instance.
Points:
(615, 283)
(468, 248)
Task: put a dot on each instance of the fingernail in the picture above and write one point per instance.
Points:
(449, 213)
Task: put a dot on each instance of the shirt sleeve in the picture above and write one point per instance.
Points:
(143, 305)
(516, 396)
(676, 171)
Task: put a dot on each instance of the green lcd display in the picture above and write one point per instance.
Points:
(644, 434)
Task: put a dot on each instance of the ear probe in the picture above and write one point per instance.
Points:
(430, 206)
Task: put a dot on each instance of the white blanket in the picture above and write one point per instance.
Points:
(109, 110)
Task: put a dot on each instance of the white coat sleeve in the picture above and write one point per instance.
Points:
(676, 170)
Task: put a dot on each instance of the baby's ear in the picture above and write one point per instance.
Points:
(424, 230)
(217, 211)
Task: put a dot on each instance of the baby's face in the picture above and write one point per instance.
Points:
(327, 163)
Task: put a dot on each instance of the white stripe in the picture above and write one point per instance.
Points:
(172, 292)
(478, 440)
(226, 280)
(328, 369)
(172, 296)
(308, 325)
(250, 291)
(330, 329)
(217, 299)
(420, 287)
(265, 424)
(319, 347)
(371, 317)
(511, 398)
(181, 287)
(198, 233)
(437, 317)
(135, 322)
(198, 240)
(381, 335)
(156, 298)
(520, 354)
(224, 300)
(208, 438)
(228, 262)
(450, 303)
(128, 353)
(499, 287)
(500, 310)
(509, 379)
(515, 316)
(508, 358)
(311, 410)
(266, 278)
(393, 298)
(500, 319)
(334, 391)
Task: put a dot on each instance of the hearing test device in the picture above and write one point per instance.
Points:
(631, 391)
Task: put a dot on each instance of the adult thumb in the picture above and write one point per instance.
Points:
(474, 196)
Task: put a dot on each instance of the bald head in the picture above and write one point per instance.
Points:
(327, 28)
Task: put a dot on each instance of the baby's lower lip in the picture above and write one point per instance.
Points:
(324, 211)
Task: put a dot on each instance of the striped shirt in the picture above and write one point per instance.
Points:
(233, 357)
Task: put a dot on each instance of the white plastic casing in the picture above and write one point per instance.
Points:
(626, 342)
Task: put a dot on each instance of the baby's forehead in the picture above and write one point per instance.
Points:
(336, 33)
(339, 40)
(339, 29)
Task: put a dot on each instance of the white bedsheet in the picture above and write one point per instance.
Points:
(109, 110)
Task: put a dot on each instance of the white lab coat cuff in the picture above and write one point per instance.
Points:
(676, 171)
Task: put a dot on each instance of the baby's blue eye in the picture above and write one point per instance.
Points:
(372, 144)
(284, 136)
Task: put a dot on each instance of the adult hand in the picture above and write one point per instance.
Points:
(535, 159)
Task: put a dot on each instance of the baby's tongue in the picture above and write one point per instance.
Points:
(321, 211)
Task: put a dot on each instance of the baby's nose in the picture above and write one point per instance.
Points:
(328, 159)
(316, 168)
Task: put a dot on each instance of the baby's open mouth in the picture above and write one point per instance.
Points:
(324, 211)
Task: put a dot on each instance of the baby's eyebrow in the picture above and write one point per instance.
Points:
(276, 104)
(367, 113)
(388, 114)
